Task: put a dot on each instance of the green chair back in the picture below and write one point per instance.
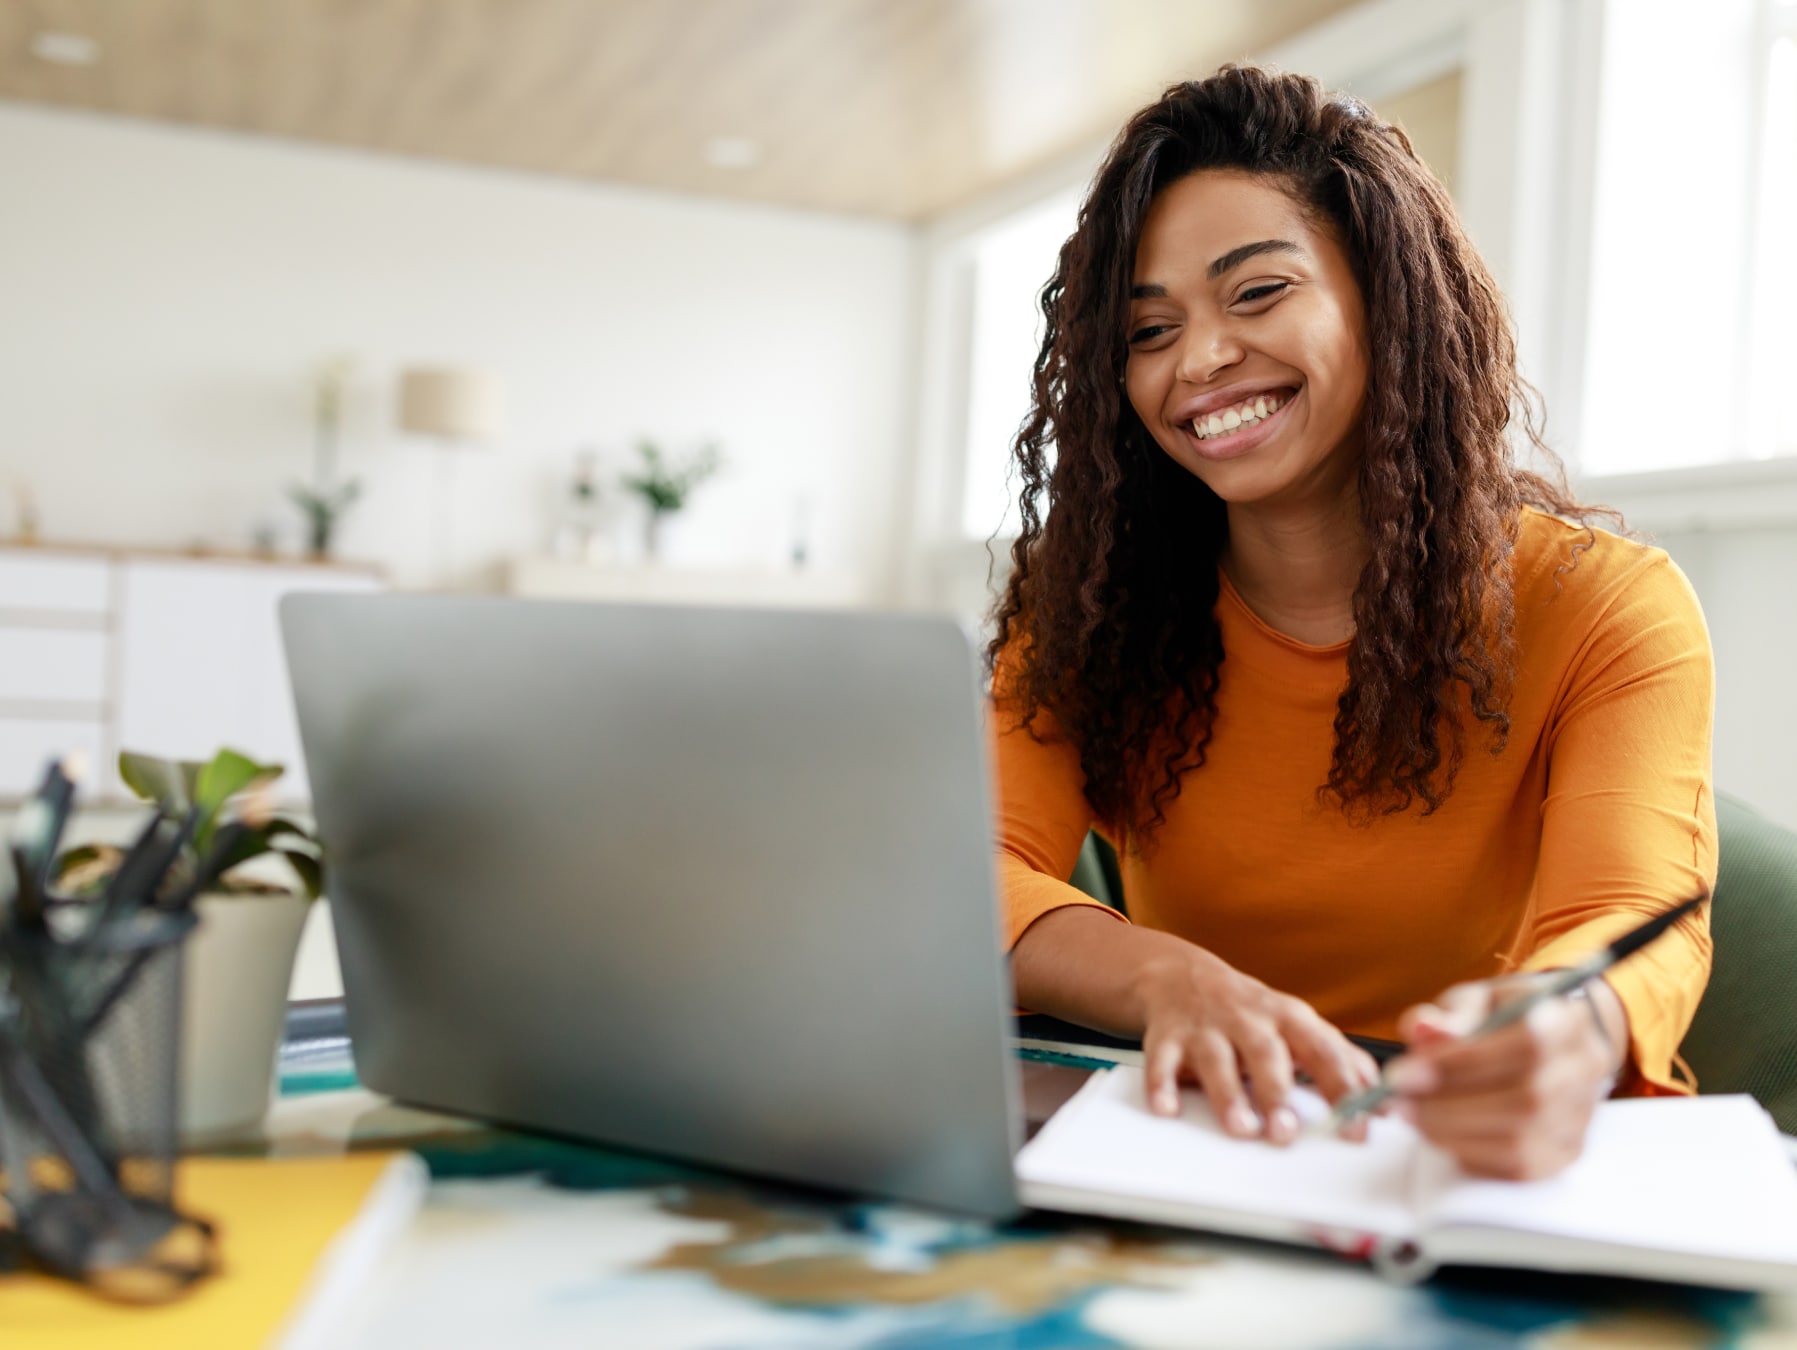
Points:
(1744, 1038)
(1097, 874)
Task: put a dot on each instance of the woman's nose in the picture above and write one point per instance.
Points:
(1207, 349)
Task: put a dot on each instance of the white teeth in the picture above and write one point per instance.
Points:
(1244, 414)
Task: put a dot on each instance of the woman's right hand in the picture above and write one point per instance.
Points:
(1208, 1023)
(1201, 1020)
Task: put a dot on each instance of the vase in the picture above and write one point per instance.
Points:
(237, 968)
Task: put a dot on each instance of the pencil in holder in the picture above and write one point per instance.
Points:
(90, 1011)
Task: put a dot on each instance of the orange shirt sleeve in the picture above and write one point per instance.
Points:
(1043, 816)
(1629, 822)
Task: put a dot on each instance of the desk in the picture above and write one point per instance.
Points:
(544, 1243)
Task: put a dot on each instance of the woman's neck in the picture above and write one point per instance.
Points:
(1297, 569)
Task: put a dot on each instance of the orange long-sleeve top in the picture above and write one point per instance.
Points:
(1597, 814)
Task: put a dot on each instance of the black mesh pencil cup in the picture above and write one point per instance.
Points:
(89, 1042)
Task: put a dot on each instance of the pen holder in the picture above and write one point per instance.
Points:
(89, 1041)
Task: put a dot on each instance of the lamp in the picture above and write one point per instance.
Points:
(456, 407)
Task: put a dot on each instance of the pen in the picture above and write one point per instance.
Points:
(36, 830)
(1554, 984)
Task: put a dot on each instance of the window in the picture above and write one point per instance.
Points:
(1771, 412)
(1691, 342)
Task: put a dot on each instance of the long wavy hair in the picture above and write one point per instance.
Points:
(1108, 621)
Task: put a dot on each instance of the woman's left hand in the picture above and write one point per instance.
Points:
(1514, 1103)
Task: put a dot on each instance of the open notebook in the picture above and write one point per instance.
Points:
(1697, 1190)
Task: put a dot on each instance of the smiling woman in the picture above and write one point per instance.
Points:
(1281, 578)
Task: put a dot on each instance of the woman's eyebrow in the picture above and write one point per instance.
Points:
(1234, 258)
(1237, 256)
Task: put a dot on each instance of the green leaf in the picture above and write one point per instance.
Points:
(282, 829)
(229, 773)
(85, 869)
(253, 843)
(309, 870)
(163, 781)
(80, 856)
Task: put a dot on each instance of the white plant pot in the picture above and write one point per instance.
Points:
(238, 965)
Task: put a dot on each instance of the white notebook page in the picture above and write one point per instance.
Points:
(1703, 1175)
(1106, 1140)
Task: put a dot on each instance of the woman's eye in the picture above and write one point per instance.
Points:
(1147, 333)
(1254, 293)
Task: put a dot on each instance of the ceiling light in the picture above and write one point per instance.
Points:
(65, 49)
(732, 152)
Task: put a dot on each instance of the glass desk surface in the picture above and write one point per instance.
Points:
(542, 1242)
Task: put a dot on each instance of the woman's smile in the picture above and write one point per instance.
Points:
(1224, 430)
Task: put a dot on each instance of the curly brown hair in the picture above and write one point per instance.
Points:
(1108, 620)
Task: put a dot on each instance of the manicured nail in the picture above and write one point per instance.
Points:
(1282, 1125)
(1413, 1076)
(1242, 1122)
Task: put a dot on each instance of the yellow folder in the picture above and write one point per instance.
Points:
(274, 1217)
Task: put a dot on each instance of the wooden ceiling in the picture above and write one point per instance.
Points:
(891, 108)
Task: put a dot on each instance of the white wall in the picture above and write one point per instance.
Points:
(166, 293)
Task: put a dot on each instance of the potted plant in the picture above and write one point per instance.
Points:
(265, 870)
(664, 485)
(324, 500)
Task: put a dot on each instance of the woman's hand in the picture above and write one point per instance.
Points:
(1208, 1023)
(1200, 1019)
(1514, 1103)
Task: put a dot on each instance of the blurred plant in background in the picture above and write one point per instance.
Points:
(665, 484)
(324, 500)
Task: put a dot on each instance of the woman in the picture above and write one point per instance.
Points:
(1370, 711)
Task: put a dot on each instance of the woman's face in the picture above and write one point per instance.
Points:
(1247, 341)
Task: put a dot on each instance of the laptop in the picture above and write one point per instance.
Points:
(713, 884)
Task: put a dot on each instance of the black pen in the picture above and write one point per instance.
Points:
(1553, 984)
(36, 830)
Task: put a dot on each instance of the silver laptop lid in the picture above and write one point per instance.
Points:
(714, 884)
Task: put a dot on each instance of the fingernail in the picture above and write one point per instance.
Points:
(1413, 1075)
(1166, 1101)
(1241, 1121)
(1282, 1125)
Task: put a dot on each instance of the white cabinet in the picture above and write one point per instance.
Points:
(56, 649)
(59, 584)
(27, 744)
(171, 655)
(53, 665)
(201, 664)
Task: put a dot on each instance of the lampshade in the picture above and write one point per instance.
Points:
(458, 405)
